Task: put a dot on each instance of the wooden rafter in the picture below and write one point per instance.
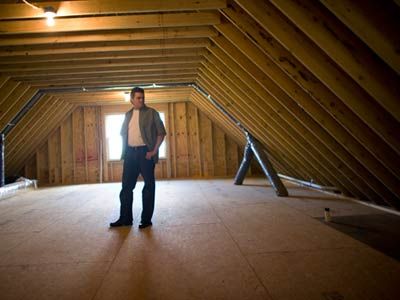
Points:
(106, 7)
(111, 22)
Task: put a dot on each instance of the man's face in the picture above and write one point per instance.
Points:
(137, 100)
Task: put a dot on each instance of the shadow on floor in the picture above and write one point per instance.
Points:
(380, 231)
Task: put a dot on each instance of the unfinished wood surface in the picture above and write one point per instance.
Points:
(316, 82)
(54, 158)
(101, 36)
(242, 243)
(340, 44)
(172, 135)
(3, 80)
(42, 162)
(43, 134)
(23, 134)
(210, 83)
(193, 141)
(111, 22)
(318, 92)
(206, 138)
(14, 103)
(329, 74)
(105, 7)
(182, 151)
(355, 148)
(73, 148)
(279, 114)
(71, 65)
(6, 89)
(265, 88)
(79, 145)
(374, 23)
(67, 161)
(100, 50)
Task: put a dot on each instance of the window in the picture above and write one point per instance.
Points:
(162, 151)
(114, 140)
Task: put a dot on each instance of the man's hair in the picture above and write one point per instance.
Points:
(136, 90)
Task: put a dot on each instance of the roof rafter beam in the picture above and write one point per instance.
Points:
(346, 50)
(161, 60)
(376, 26)
(108, 36)
(328, 73)
(109, 69)
(98, 47)
(112, 22)
(102, 7)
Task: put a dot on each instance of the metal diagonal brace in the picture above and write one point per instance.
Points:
(254, 148)
(244, 166)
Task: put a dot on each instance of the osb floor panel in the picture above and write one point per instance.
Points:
(210, 240)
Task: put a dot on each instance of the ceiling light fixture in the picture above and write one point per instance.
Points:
(50, 13)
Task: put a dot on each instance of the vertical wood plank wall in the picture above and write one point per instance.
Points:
(196, 147)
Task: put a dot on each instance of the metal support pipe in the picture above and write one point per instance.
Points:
(267, 167)
(2, 171)
(244, 166)
(312, 185)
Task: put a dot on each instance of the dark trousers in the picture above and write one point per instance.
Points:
(135, 163)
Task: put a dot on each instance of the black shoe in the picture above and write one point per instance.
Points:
(144, 225)
(119, 223)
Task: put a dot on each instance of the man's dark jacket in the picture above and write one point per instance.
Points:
(150, 125)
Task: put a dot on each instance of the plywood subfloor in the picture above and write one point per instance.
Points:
(210, 240)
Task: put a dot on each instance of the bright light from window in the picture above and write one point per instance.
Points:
(113, 137)
(162, 151)
(114, 140)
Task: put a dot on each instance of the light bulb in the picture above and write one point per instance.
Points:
(50, 21)
(50, 13)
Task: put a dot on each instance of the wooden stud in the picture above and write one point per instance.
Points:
(198, 128)
(173, 138)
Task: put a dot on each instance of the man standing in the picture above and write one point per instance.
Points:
(142, 134)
